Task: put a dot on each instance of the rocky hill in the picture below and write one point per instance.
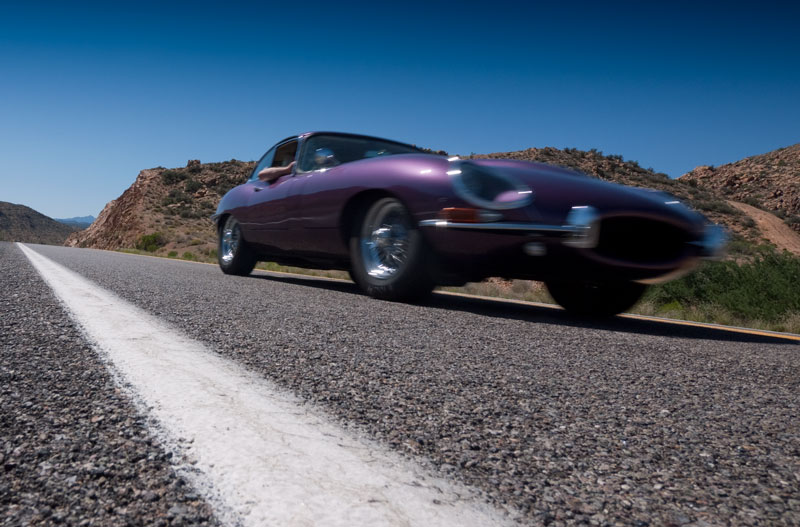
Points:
(168, 210)
(768, 181)
(23, 224)
(165, 209)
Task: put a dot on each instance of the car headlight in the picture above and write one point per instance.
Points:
(488, 188)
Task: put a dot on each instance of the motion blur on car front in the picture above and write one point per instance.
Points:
(402, 221)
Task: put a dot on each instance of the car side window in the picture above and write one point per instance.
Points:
(279, 156)
(266, 161)
(285, 154)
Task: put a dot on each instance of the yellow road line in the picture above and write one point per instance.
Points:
(708, 325)
(633, 316)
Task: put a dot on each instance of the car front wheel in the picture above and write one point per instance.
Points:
(233, 254)
(388, 253)
(599, 299)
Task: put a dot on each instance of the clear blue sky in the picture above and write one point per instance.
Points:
(92, 93)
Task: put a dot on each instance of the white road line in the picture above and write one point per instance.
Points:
(258, 454)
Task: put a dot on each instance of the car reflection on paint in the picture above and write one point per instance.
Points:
(401, 221)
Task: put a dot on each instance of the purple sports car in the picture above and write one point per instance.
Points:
(401, 221)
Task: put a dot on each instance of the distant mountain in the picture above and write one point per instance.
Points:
(79, 221)
(23, 224)
(768, 181)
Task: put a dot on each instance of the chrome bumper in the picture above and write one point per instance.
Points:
(513, 227)
(581, 230)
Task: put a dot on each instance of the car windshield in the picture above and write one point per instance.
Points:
(326, 151)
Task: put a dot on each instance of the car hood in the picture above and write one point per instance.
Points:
(556, 190)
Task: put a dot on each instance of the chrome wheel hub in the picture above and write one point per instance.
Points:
(385, 243)
(230, 241)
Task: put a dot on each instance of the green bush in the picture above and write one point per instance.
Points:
(170, 177)
(188, 256)
(172, 254)
(150, 242)
(753, 202)
(715, 206)
(768, 288)
(192, 185)
(188, 213)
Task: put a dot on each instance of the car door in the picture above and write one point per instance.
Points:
(268, 216)
(307, 201)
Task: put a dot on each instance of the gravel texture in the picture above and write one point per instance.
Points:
(625, 422)
(73, 449)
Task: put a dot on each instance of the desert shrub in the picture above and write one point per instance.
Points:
(767, 288)
(170, 177)
(715, 206)
(150, 242)
(188, 256)
(172, 254)
(753, 202)
(176, 196)
(192, 185)
(189, 214)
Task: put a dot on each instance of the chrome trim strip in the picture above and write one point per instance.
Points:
(513, 227)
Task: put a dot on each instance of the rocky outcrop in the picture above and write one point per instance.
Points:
(19, 223)
(122, 220)
(768, 181)
(177, 203)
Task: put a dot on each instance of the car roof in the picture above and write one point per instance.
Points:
(344, 134)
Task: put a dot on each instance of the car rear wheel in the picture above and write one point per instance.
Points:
(388, 253)
(234, 255)
(599, 299)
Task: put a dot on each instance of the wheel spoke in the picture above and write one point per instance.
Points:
(385, 247)
(230, 242)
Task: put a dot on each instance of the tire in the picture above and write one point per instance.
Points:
(233, 254)
(601, 299)
(388, 253)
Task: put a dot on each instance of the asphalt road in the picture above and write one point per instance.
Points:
(625, 422)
